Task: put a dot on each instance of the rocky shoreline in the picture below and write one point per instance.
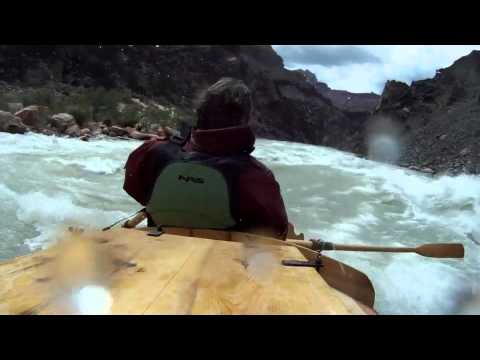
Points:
(287, 106)
(27, 119)
(36, 119)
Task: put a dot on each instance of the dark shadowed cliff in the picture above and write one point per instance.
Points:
(289, 107)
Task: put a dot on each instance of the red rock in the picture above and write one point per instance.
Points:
(32, 115)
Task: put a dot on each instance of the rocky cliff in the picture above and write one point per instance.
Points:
(436, 121)
(344, 100)
(439, 118)
(288, 106)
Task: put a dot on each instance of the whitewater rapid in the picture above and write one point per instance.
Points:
(49, 183)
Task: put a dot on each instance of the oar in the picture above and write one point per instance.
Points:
(342, 277)
(429, 250)
(140, 215)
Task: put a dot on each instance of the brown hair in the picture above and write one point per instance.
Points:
(226, 103)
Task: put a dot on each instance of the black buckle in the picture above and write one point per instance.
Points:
(156, 233)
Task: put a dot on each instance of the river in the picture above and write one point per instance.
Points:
(47, 183)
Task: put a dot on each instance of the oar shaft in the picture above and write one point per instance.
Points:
(455, 251)
(304, 243)
(373, 248)
(324, 245)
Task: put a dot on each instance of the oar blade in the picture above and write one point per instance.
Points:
(344, 278)
(455, 251)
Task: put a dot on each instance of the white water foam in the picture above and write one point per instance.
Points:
(386, 205)
(51, 183)
(93, 164)
(52, 214)
(445, 200)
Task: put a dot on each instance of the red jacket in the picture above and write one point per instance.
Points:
(260, 204)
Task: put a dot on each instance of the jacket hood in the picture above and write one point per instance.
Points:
(221, 142)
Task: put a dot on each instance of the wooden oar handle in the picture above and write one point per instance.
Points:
(370, 248)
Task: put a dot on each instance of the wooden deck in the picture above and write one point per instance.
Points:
(169, 274)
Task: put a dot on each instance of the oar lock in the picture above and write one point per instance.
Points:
(316, 263)
(320, 245)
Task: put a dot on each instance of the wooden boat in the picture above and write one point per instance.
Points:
(180, 272)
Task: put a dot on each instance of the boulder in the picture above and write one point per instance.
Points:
(11, 124)
(95, 133)
(396, 94)
(93, 125)
(14, 107)
(62, 121)
(33, 116)
(139, 103)
(84, 138)
(48, 132)
(137, 135)
(428, 170)
(117, 131)
(73, 131)
(85, 132)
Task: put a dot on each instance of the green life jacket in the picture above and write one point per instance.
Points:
(194, 190)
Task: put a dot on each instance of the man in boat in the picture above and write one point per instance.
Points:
(209, 179)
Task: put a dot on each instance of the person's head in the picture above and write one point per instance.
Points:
(227, 103)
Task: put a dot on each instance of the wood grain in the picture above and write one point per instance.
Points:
(170, 274)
